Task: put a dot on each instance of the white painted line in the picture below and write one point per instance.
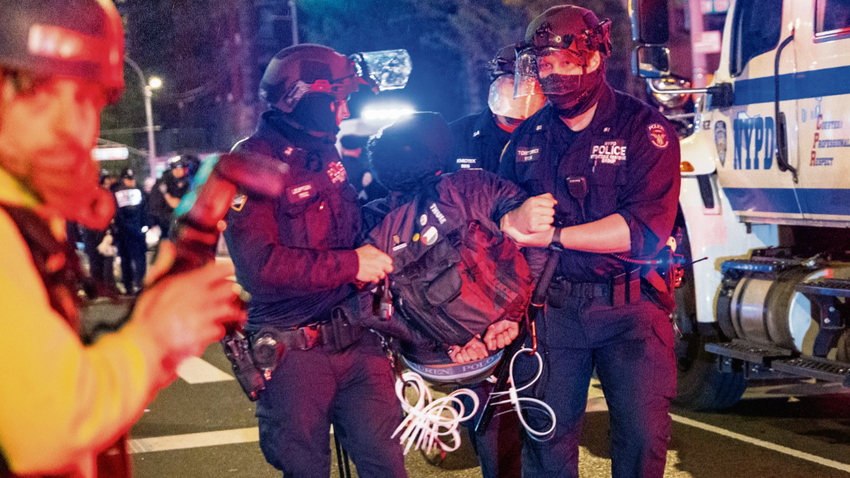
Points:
(197, 370)
(764, 444)
(195, 440)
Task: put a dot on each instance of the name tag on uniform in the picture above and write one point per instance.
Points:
(467, 163)
(300, 193)
(128, 197)
(524, 155)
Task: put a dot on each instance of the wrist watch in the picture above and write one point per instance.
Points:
(556, 239)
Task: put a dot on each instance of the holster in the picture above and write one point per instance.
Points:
(336, 333)
(237, 350)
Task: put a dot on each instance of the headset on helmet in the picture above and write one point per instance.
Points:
(71, 38)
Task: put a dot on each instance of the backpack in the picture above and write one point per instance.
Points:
(453, 275)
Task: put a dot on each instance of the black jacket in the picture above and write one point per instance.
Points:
(477, 143)
(294, 254)
(629, 157)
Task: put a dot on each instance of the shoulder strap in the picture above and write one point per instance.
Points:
(56, 263)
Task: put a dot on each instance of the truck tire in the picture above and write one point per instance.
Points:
(700, 384)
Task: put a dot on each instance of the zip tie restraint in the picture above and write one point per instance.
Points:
(531, 403)
(429, 421)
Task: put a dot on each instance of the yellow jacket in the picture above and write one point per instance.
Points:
(60, 402)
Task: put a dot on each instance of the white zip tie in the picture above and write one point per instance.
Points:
(517, 402)
(429, 420)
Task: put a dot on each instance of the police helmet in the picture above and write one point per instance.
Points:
(412, 149)
(71, 38)
(503, 63)
(501, 97)
(573, 29)
(304, 69)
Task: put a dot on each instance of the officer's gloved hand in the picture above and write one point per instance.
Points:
(535, 215)
(373, 265)
(180, 315)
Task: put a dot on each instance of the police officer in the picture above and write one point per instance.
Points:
(296, 255)
(167, 193)
(129, 221)
(611, 162)
(478, 140)
(477, 143)
(64, 403)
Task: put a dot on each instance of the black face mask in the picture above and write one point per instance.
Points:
(316, 113)
(572, 95)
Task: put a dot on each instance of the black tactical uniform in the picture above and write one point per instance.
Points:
(477, 143)
(629, 159)
(160, 211)
(130, 218)
(295, 255)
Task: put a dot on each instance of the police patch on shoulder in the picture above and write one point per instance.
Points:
(336, 171)
(238, 202)
(658, 135)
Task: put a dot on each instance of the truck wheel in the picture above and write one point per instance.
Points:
(843, 354)
(700, 384)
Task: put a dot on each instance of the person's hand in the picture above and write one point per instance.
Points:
(538, 239)
(536, 214)
(373, 265)
(472, 351)
(180, 315)
(500, 334)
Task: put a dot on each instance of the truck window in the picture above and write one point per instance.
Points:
(757, 28)
(832, 16)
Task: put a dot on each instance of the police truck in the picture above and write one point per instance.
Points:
(765, 197)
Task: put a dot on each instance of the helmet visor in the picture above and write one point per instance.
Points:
(525, 76)
(503, 103)
(384, 70)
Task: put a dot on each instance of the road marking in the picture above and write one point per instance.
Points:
(195, 440)
(197, 370)
(764, 444)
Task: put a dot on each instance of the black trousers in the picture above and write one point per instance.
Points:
(353, 390)
(631, 348)
(132, 249)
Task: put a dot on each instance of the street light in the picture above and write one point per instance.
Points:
(147, 89)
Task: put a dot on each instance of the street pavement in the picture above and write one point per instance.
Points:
(202, 426)
(793, 430)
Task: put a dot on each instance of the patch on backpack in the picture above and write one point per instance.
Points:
(238, 202)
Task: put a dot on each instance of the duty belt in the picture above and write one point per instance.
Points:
(620, 290)
(334, 334)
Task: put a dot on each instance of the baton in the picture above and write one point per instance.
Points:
(538, 300)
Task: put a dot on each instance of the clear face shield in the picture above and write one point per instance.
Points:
(502, 100)
(526, 82)
(383, 70)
